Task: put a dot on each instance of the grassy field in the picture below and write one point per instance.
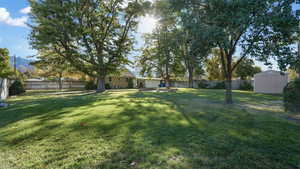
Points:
(147, 130)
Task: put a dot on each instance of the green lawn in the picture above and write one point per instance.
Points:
(145, 130)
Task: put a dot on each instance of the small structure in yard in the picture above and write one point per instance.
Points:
(148, 82)
(271, 82)
(126, 79)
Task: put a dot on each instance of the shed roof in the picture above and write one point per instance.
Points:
(270, 72)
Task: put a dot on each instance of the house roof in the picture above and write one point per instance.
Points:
(123, 73)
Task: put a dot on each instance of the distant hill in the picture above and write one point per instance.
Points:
(22, 63)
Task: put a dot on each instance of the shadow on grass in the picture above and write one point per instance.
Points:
(46, 107)
(158, 130)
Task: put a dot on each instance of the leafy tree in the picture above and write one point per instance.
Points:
(190, 46)
(95, 36)
(246, 69)
(260, 29)
(51, 64)
(157, 58)
(292, 74)
(213, 67)
(5, 68)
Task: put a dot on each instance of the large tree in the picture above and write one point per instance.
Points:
(95, 36)
(259, 29)
(157, 58)
(190, 46)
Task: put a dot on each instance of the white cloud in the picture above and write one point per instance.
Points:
(26, 10)
(7, 19)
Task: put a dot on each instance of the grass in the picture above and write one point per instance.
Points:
(147, 130)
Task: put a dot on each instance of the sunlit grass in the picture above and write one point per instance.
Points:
(131, 129)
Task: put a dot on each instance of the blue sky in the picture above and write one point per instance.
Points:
(14, 32)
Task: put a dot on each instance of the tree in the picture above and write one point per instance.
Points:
(292, 74)
(213, 67)
(157, 58)
(95, 36)
(260, 29)
(247, 69)
(5, 68)
(51, 64)
(191, 47)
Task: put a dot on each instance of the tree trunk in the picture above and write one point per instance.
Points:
(100, 85)
(191, 79)
(1, 86)
(168, 83)
(228, 85)
(60, 81)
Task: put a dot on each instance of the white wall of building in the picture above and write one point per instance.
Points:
(272, 82)
(149, 83)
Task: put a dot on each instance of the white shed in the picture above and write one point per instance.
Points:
(272, 82)
(152, 83)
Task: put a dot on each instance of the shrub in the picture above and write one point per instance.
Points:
(16, 88)
(246, 86)
(107, 86)
(202, 85)
(219, 85)
(291, 96)
(90, 85)
(130, 83)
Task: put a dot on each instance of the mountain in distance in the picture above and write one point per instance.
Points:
(22, 64)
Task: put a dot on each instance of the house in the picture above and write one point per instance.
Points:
(272, 82)
(125, 79)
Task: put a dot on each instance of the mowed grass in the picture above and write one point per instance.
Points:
(146, 130)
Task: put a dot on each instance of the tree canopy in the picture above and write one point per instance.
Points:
(259, 29)
(247, 69)
(95, 36)
(5, 68)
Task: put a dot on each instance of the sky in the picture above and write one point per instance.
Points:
(14, 32)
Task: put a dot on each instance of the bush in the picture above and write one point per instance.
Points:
(130, 83)
(202, 85)
(219, 85)
(291, 96)
(246, 86)
(16, 88)
(107, 86)
(90, 85)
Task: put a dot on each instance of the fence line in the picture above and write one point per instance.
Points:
(48, 85)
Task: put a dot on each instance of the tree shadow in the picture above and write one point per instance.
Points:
(160, 130)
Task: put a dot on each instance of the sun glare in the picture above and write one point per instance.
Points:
(147, 24)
